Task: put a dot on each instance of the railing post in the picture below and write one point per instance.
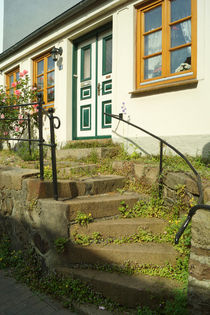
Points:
(161, 171)
(29, 132)
(53, 152)
(41, 155)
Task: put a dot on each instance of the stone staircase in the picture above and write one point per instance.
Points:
(96, 251)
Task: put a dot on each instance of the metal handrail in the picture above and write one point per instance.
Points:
(40, 140)
(200, 204)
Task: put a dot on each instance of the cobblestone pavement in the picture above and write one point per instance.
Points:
(17, 299)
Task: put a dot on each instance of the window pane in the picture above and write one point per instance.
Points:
(180, 9)
(50, 64)
(153, 19)
(152, 43)
(11, 91)
(181, 33)
(181, 60)
(40, 67)
(153, 67)
(17, 76)
(40, 82)
(50, 78)
(86, 64)
(11, 80)
(108, 55)
(50, 95)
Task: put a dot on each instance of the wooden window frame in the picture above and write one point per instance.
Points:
(43, 57)
(167, 77)
(8, 76)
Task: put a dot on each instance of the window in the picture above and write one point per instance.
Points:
(44, 78)
(166, 42)
(11, 77)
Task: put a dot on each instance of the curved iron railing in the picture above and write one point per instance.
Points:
(200, 204)
(40, 140)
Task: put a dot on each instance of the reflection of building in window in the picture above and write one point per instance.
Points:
(166, 41)
(11, 78)
(44, 78)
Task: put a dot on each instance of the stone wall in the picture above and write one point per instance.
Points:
(199, 264)
(39, 222)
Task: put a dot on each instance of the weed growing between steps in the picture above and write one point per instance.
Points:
(28, 268)
(83, 219)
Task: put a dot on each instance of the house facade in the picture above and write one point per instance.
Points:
(148, 59)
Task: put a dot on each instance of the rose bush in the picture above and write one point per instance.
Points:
(12, 123)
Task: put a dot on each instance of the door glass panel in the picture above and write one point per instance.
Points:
(153, 67)
(153, 43)
(153, 19)
(181, 33)
(50, 64)
(40, 82)
(107, 55)
(40, 67)
(86, 64)
(50, 78)
(180, 9)
(50, 95)
(181, 59)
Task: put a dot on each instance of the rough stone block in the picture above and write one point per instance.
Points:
(173, 180)
(201, 229)
(11, 178)
(207, 194)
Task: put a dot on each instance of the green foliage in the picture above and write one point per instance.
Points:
(87, 144)
(48, 172)
(29, 268)
(82, 239)
(60, 244)
(22, 150)
(83, 219)
(12, 119)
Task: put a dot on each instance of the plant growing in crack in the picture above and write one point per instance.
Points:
(83, 219)
(60, 244)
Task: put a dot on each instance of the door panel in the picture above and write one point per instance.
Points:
(94, 86)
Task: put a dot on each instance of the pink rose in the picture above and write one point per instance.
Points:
(2, 116)
(6, 133)
(14, 84)
(3, 100)
(17, 128)
(25, 72)
(17, 92)
(21, 74)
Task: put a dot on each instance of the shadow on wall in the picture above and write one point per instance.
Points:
(42, 239)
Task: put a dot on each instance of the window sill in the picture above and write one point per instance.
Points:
(167, 87)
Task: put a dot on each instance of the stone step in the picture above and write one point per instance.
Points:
(73, 188)
(118, 228)
(77, 154)
(101, 205)
(135, 253)
(127, 290)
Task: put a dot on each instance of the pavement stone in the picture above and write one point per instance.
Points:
(17, 299)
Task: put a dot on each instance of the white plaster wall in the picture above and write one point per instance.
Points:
(181, 117)
(181, 114)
